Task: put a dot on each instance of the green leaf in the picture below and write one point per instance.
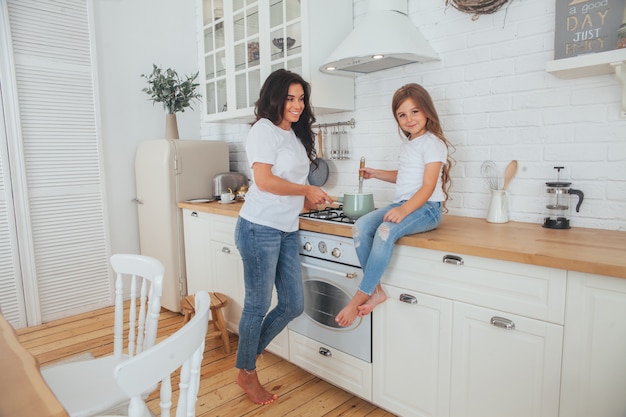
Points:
(167, 87)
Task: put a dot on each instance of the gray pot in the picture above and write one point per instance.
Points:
(357, 205)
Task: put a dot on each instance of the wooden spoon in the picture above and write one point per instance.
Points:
(509, 173)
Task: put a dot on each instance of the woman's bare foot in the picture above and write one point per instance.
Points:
(346, 316)
(249, 383)
(378, 297)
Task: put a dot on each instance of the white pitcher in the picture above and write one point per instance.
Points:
(498, 207)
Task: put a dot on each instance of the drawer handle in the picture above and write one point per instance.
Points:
(194, 214)
(225, 249)
(502, 322)
(325, 352)
(452, 259)
(408, 298)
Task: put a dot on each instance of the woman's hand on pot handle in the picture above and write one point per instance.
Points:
(316, 196)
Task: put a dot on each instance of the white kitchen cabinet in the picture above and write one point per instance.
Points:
(504, 364)
(411, 353)
(452, 351)
(196, 230)
(228, 273)
(242, 42)
(594, 347)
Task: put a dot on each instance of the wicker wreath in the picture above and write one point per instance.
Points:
(476, 7)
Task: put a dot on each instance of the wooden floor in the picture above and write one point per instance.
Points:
(300, 393)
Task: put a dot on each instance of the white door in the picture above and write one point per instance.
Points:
(12, 303)
(509, 368)
(53, 218)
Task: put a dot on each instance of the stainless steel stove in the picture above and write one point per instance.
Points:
(329, 215)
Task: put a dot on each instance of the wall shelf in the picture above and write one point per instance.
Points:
(609, 62)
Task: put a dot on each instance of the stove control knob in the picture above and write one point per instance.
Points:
(322, 247)
(308, 247)
(336, 252)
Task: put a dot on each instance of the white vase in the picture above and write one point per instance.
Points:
(171, 127)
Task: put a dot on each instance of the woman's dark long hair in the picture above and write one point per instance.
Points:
(271, 106)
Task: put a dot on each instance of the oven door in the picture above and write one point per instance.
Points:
(328, 287)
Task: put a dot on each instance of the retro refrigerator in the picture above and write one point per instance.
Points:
(169, 171)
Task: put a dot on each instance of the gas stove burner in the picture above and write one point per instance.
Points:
(328, 214)
(324, 214)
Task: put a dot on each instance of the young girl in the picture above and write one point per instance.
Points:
(422, 182)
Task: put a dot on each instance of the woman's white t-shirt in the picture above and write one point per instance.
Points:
(269, 144)
(414, 155)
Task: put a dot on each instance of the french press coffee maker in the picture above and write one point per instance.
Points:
(558, 193)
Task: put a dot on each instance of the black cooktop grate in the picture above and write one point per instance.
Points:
(328, 214)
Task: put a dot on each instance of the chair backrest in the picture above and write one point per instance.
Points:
(140, 278)
(183, 349)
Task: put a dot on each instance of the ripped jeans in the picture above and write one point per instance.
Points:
(374, 239)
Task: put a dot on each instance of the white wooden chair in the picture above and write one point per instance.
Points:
(87, 388)
(184, 349)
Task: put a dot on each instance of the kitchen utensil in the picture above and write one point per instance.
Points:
(318, 170)
(361, 173)
(225, 180)
(357, 205)
(490, 174)
(558, 206)
(334, 143)
(344, 152)
(509, 173)
(498, 207)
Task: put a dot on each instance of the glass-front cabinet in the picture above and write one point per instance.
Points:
(243, 41)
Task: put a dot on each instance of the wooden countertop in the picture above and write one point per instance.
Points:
(594, 251)
(23, 391)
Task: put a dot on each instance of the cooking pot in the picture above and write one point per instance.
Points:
(357, 204)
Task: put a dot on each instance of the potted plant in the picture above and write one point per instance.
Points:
(176, 94)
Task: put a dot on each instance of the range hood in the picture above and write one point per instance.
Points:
(385, 38)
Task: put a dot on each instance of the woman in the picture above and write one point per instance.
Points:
(280, 148)
(422, 183)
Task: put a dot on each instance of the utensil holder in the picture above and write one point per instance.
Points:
(498, 207)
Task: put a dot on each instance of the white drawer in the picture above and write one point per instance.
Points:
(223, 228)
(529, 290)
(340, 369)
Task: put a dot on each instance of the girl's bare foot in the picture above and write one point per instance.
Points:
(378, 297)
(346, 316)
(249, 383)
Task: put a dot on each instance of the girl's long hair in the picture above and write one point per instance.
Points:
(425, 104)
(271, 106)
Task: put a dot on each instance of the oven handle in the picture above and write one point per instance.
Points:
(350, 275)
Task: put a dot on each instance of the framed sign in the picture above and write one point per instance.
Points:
(586, 26)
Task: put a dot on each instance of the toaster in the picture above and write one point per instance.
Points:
(225, 180)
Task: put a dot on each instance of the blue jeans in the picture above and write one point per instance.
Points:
(270, 258)
(374, 239)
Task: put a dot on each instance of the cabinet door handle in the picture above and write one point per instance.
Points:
(408, 298)
(502, 322)
(194, 214)
(325, 352)
(452, 259)
(225, 249)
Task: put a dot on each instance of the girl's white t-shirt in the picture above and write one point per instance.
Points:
(414, 155)
(269, 144)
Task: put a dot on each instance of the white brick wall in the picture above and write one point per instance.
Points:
(496, 101)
